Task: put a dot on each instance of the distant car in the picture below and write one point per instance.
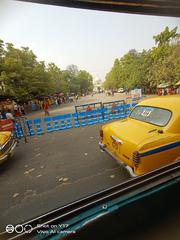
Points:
(120, 90)
(7, 145)
(148, 139)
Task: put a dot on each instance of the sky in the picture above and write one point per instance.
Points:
(89, 39)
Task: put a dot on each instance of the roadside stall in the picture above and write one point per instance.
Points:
(6, 125)
(177, 87)
(6, 103)
(165, 88)
(136, 95)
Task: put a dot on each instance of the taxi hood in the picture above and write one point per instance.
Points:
(4, 136)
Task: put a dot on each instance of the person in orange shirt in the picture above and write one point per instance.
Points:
(45, 106)
(89, 108)
(113, 108)
(170, 91)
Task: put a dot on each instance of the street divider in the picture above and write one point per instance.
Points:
(50, 124)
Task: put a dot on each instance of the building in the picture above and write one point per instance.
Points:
(98, 88)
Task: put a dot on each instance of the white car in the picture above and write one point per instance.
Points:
(120, 90)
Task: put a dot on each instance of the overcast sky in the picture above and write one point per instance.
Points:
(89, 39)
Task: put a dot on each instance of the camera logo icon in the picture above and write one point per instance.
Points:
(19, 228)
(10, 228)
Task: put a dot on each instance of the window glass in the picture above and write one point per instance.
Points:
(153, 115)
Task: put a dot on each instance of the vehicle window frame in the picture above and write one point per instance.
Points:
(152, 107)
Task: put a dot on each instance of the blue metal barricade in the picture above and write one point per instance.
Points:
(68, 121)
(89, 118)
(83, 118)
(56, 123)
(83, 107)
(111, 115)
(106, 116)
(94, 116)
(76, 122)
(37, 123)
(133, 105)
(30, 127)
(18, 130)
(49, 128)
(122, 113)
(100, 115)
(127, 109)
(117, 112)
(111, 105)
(62, 120)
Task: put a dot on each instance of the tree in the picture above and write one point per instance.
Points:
(2, 77)
(25, 78)
(147, 69)
(56, 78)
(78, 81)
(85, 81)
(114, 78)
(72, 69)
(166, 36)
(165, 58)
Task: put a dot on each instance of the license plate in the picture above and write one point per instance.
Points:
(115, 145)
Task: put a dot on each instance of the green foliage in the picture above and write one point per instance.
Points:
(78, 81)
(166, 36)
(56, 78)
(147, 69)
(25, 78)
(85, 81)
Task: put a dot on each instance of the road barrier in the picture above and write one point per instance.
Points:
(84, 107)
(50, 124)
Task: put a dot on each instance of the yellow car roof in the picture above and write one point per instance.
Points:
(171, 102)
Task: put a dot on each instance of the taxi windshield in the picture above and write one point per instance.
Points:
(153, 115)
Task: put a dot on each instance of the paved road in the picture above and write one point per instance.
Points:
(70, 107)
(53, 170)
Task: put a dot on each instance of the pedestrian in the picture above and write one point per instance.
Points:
(71, 99)
(1, 116)
(22, 109)
(46, 107)
(113, 108)
(9, 115)
(89, 108)
(59, 101)
(165, 92)
(74, 98)
(56, 102)
(17, 111)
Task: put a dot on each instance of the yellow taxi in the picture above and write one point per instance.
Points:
(7, 145)
(148, 138)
